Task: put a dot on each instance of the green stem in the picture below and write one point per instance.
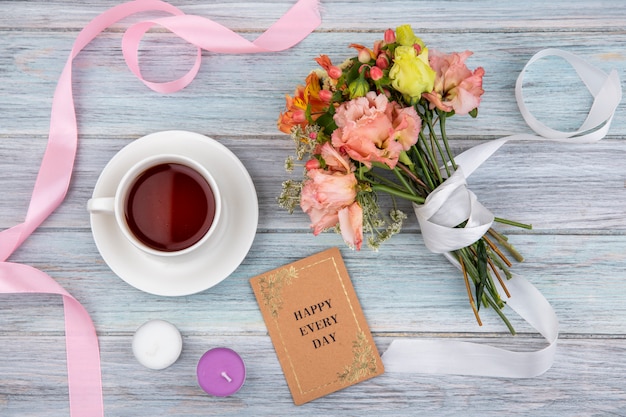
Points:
(398, 193)
(444, 136)
(433, 160)
(412, 175)
(378, 179)
(435, 140)
(502, 241)
(470, 264)
(502, 316)
(500, 264)
(404, 181)
(513, 223)
(424, 167)
(481, 266)
(493, 291)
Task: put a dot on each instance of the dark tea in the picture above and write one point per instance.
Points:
(170, 207)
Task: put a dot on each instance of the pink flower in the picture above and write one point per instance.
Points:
(351, 225)
(335, 162)
(324, 194)
(373, 129)
(329, 196)
(406, 124)
(456, 87)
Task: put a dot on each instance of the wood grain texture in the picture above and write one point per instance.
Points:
(574, 195)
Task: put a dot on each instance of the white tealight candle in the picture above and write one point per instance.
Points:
(157, 344)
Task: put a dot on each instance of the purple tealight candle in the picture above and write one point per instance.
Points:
(221, 372)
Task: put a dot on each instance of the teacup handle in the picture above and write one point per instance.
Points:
(101, 205)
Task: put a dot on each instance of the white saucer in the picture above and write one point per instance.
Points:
(209, 264)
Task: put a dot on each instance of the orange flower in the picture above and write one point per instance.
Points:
(296, 106)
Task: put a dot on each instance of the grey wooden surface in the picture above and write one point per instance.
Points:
(574, 195)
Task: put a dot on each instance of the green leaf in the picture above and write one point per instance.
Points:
(337, 97)
(385, 81)
(352, 73)
(327, 122)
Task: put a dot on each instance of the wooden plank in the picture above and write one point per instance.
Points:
(403, 287)
(456, 16)
(587, 379)
(110, 101)
(573, 195)
(551, 186)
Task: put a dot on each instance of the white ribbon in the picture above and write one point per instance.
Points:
(447, 206)
(452, 203)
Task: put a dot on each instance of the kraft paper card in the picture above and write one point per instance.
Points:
(317, 326)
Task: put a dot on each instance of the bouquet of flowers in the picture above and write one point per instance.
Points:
(376, 124)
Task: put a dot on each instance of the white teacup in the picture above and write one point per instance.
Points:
(165, 205)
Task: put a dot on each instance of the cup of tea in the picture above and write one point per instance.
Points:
(165, 205)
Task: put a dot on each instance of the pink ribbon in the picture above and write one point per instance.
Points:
(83, 355)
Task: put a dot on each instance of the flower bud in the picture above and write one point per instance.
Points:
(405, 35)
(382, 61)
(378, 45)
(390, 36)
(358, 88)
(334, 72)
(299, 116)
(364, 56)
(404, 158)
(325, 95)
(312, 164)
(376, 73)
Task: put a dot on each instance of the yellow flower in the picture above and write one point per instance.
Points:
(406, 37)
(410, 74)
